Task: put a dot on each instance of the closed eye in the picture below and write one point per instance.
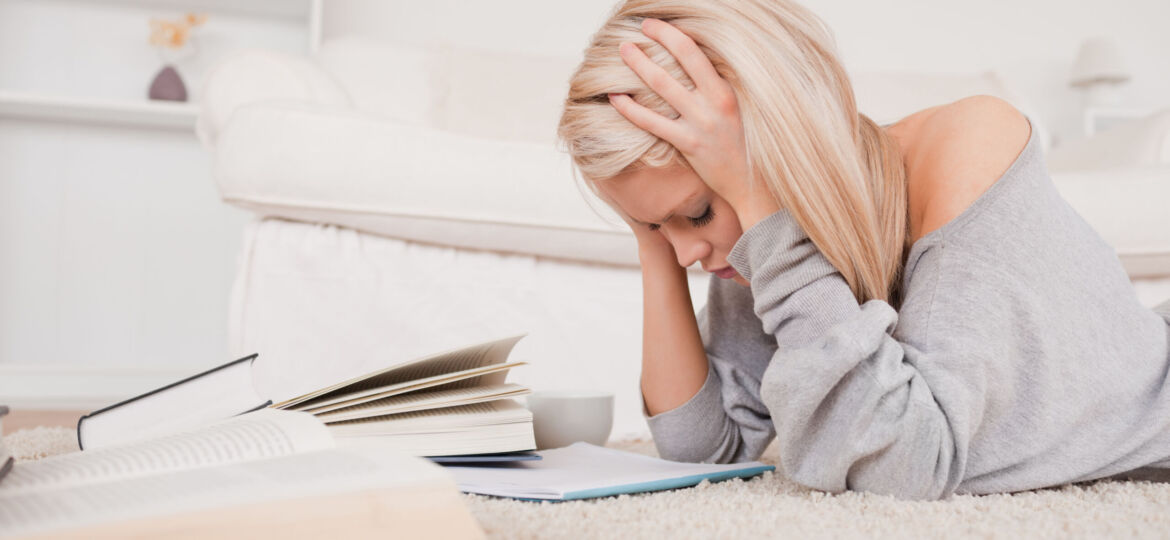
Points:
(700, 221)
(704, 219)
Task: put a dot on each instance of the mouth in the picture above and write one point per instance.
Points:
(725, 272)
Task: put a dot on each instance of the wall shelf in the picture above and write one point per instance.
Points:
(146, 114)
(291, 9)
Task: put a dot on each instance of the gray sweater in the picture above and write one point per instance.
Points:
(1021, 358)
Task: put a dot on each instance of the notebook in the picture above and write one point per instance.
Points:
(586, 471)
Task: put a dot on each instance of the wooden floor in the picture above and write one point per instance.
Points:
(20, 419)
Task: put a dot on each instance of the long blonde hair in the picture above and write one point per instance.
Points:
(838, 173)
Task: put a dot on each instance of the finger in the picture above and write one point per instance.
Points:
(660, 126)
(658, 79)
(685, 50)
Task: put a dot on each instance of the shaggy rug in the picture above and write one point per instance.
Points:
(771, 506)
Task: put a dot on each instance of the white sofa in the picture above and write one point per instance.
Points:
(409, 201)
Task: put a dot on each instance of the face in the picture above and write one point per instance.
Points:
(676, 203)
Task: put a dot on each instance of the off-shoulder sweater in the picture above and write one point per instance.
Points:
(1020, 358)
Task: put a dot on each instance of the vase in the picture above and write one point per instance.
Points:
(168, 85)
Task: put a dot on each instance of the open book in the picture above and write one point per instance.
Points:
(269, 473)
(452, 403)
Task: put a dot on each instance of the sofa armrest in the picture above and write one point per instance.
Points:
(323, 164)
(255, 75)
(1132, 144)
(1126, 206)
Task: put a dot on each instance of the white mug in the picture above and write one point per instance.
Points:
(563, 417)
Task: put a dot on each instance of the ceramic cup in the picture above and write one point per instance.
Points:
(562, 417)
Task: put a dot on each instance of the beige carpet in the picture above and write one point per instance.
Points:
(773, 507)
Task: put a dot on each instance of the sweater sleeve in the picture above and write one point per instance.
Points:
(721, 423)
(851, 409)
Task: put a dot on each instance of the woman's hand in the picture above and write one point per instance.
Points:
(709, 130)
(653, 247)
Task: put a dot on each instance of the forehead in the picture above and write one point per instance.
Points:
(649, 194)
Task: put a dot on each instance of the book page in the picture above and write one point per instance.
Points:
(500, 411)
(469, 440)
(261, 434)
(488, 375)
(479, 355)
(416, 401)
(324, 474)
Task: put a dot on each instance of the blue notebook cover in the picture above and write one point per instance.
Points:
(486, 458)
(586, 471)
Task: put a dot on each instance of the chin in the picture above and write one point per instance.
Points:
(740, 280)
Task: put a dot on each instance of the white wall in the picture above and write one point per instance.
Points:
(1033, 43)
(116, 254)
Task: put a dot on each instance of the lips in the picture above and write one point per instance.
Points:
(725, 273)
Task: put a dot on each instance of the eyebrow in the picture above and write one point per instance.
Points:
(686, 202)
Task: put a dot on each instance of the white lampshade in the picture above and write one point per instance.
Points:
(1099, 61)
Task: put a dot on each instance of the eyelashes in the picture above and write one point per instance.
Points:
(704, 219)
(700, 221)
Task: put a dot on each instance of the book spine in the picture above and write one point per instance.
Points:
(81, 421)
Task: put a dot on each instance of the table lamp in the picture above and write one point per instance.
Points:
(1099, 71)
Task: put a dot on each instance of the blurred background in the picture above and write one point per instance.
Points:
(118, 256)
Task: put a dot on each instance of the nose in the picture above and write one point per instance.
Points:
(690, 248)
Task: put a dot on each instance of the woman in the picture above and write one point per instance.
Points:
(909, 309)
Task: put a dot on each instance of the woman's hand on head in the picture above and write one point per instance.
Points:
(709, 131)
(653, 246)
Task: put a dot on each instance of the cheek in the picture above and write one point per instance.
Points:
(729, 230)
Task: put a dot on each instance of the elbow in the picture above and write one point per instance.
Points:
(683, 455)
(922, 466)
(901, 489)
(724, 448)
(895, 482)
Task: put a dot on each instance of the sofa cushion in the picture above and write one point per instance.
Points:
(329, 165)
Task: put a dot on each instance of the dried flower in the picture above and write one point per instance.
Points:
(174, 34)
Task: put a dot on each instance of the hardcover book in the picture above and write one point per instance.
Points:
(447, 404)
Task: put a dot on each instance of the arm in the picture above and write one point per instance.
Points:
(691, 415)
(851, 407)
(713, 416)
(674, 365)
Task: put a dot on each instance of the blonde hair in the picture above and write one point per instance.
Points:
(837, 172)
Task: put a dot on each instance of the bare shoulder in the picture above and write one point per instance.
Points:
(965, 147)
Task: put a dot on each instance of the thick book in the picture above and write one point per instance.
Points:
(269, 473)
(451, 403)
(586, 471)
